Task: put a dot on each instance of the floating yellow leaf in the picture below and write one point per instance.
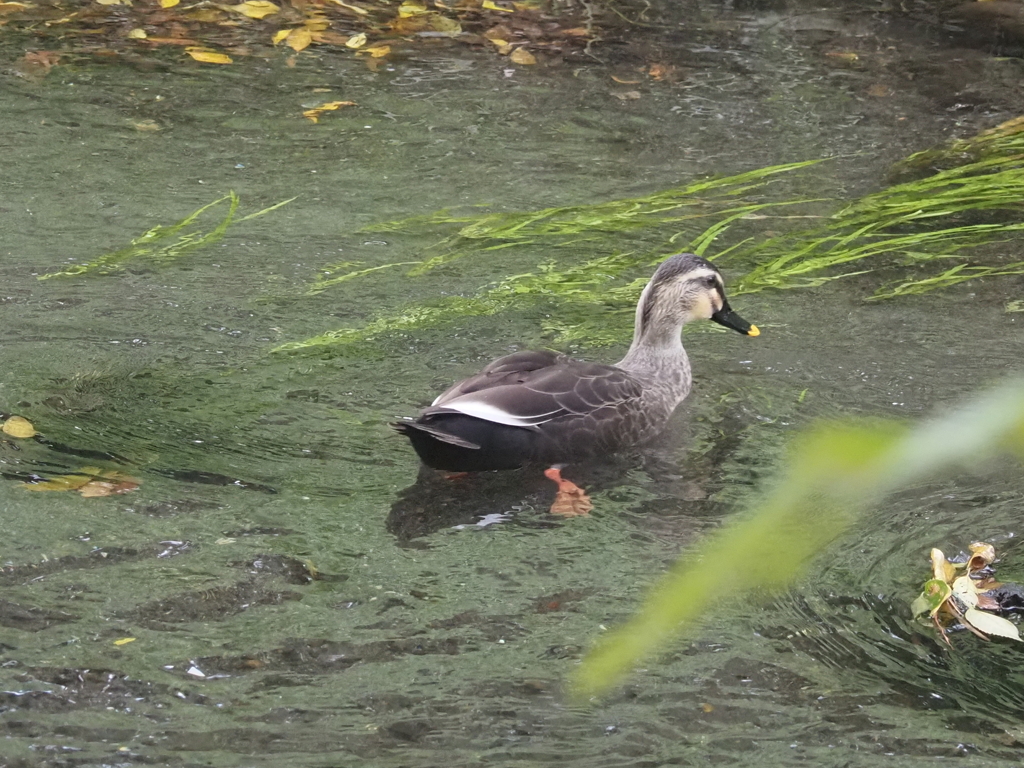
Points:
(207, 56)
(7, 7)
(504, 46)
(443, 24)
(299, 39)
(318, 24)
(405, 10)
(280, 35)
(256, 9)
(942, 568)
(18, 426)
(356, 41)
(491, 6)
(314, 113)
(124, 641)
(522, 56)
(114, 2)
(982, 555)
(410, 25)
(137, 34)
(169, 3)
(377, 51)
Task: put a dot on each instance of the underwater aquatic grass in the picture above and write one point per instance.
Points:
(613, 215)
(945, 216)
(325, 281)
(916, 221)
(566, 226)
(834, 473)
(1005, 139)
(579, 283)
(958, 274)
(579, 286)
(153, 246)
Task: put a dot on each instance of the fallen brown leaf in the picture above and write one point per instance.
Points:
(89, 481)
(661, 72)
(171, 41)
(59, 483)
(331, 38)
(97, 488)
(498, 32)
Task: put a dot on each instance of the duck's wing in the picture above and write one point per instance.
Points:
(528, 389)
(510, 369)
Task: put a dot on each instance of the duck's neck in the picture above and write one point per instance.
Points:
(656, 355)
(657, 351)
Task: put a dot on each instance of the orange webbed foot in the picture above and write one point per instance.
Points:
(570, 500)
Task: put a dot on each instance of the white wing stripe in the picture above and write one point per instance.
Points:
(488, 412)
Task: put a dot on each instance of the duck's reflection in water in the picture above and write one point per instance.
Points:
(438, 500)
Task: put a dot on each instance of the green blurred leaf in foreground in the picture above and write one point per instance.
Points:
(834, 472)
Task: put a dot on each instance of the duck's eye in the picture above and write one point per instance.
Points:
(710, 281)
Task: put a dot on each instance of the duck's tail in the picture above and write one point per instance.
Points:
(407, 427)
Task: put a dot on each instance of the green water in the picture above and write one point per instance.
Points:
(295, 597)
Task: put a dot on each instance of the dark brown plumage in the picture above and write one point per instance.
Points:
(547, 408)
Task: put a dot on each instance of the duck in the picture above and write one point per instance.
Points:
(542, 407)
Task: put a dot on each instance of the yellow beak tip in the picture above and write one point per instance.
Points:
(754, 331)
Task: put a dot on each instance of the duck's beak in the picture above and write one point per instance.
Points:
(725, 316)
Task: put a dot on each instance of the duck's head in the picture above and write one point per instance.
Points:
(686, 287)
